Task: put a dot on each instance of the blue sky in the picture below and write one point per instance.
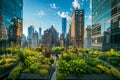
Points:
(44, 13)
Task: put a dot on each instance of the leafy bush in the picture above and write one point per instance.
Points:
(26, 70)
(60, 76)
(43, 72)
(16, 72)
(34, 68)
(51, 60)
(44, 66)
(58, 48)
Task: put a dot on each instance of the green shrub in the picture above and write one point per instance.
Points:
(44, 66)
(34, 68)
(21, 56)
(115, 72)
(26, 70)
(43, 72)
(16, 72)
(51, 60)
(60, 76)
(58, 48)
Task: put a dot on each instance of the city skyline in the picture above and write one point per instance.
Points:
(51, 12)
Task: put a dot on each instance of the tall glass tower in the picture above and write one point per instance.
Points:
(64, 26)
(12, 13)
(105, 24)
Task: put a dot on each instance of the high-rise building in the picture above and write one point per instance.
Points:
(77, 28)
(87, 37)
(35, 39)
(11, 10)
(30, 33)
(106, 24)
(64, 25)
(24, 41)
(40, 35)
(50, 37)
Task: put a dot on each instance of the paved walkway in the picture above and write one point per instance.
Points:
(54, 74)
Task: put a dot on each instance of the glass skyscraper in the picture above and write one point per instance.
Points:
(64, 26)
(105, 24)
(12, 14)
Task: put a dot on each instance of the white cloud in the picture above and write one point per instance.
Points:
(64, 14)
(76, 4)
(53, 6)
(40, 13)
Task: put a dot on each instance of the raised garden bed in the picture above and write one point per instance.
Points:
(31, 76)
(91, 77)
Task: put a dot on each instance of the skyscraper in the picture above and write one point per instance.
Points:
(30, 33)
(50, 37)
(40, 35)
(77, 28)
(105, 24)
(12, 19)
(64, 25)
(35, 39)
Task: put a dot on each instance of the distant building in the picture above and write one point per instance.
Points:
(40, 35)
(30, 33)
(24, 41)
(106, 24)
(77, 28)
(87, 37)
(50, 37)
(62, 40)
(11, 10)
(35, 40)
(64, 24)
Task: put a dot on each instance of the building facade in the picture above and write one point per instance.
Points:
(50, 37)
(30, 33)
(105, 24)
(77, 28)
(64, 23)
(40, 35)
(87, 37)
(11, 11)
(35, 38)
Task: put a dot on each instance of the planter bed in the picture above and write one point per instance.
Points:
(91, 77)
(30, 76)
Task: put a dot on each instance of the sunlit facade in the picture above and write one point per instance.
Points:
(77, 28)
(105, 24)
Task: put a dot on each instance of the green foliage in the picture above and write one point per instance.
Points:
(115, 72)
(51, 60)
(27, 70)
(16, 72)
(60, 76)
(43, 72)
(44, 66)
(58, 48)
(34, 68)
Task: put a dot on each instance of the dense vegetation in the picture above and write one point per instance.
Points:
(78, 61)
(32, 61)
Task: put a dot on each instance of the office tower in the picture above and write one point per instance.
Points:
(105, 24)
(35, 39)
(77, 28)
(24, 41)
(87, 37)
(11, 10)
(50, 37)
(30, 33)
(62, 40)
(40, 35)
(64, 26)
